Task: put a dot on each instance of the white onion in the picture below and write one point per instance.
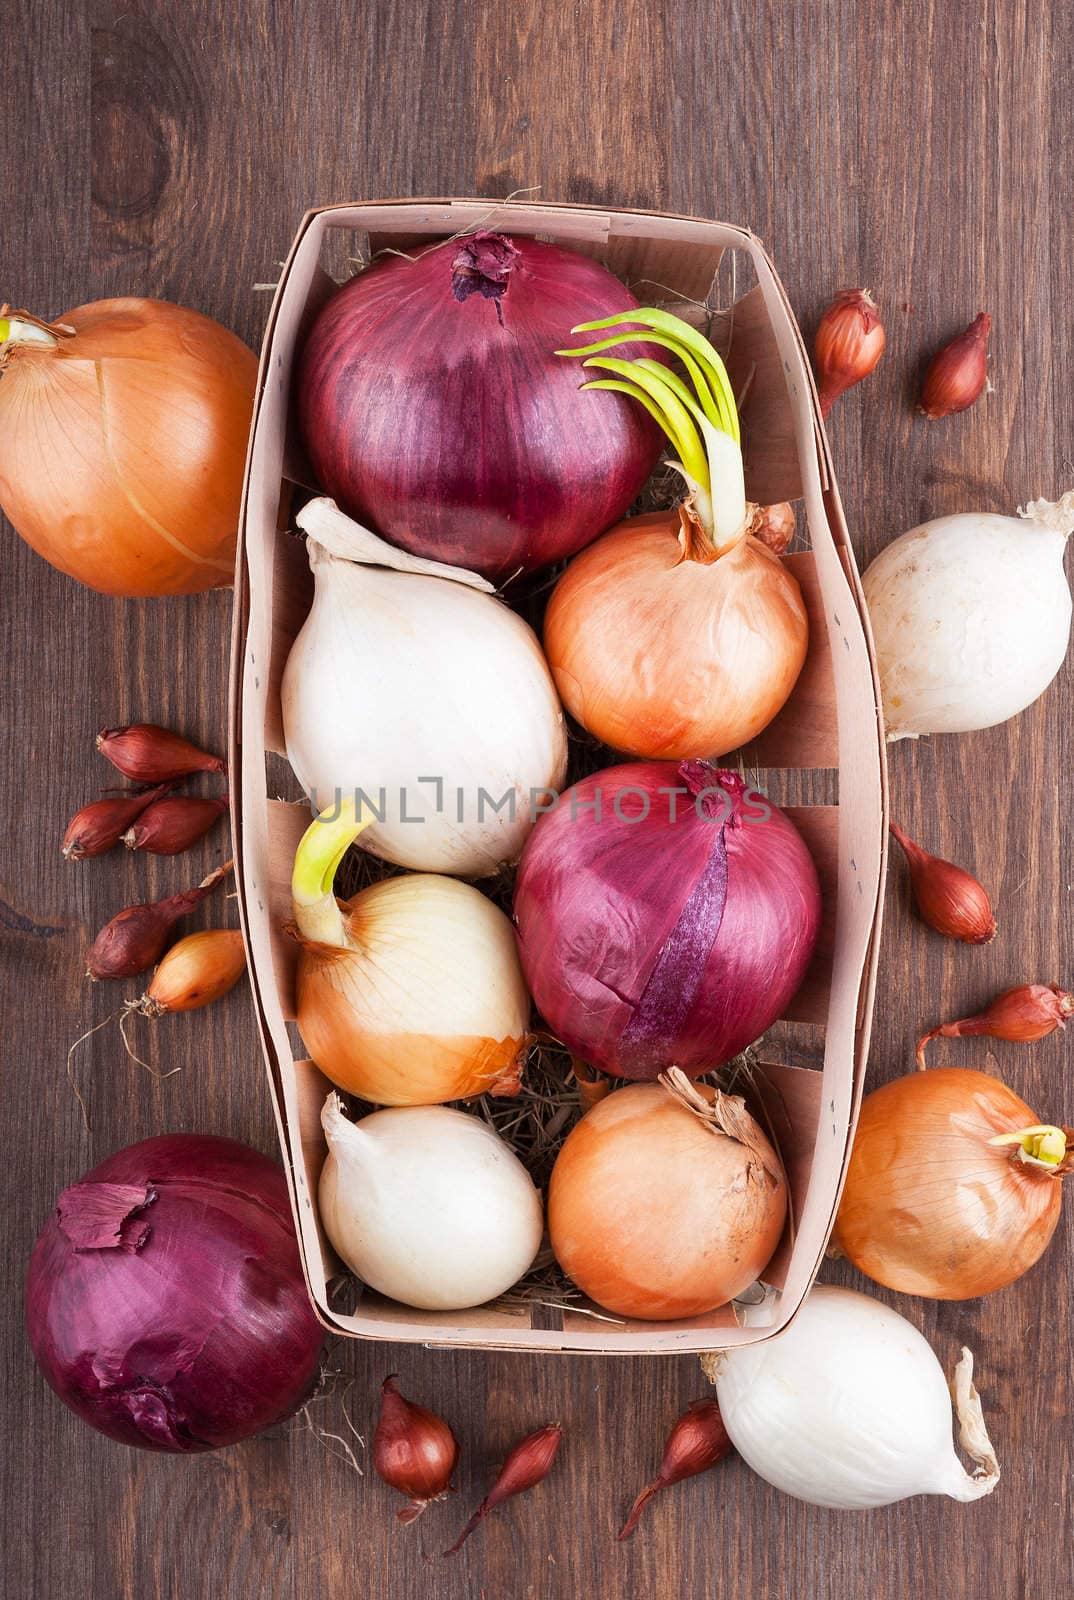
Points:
(413, 678)
(427, 1205)
(971, 617)
(849, 1408)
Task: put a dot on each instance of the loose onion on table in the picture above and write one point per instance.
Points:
(411, 993)
(99, 826)
(947, 897)
(971, 617)
(414, 1451)
(427, 1205)
(135, 937)
(666, 1202)
(697, 1442)
(848, 1407)
(527, 1465)
(148, 753)
(433, 407)
(665, 916)
(165, 1300)
(678, 635)
(849, 342)
(195, 972)
(413, 680)
(172, 824)
(954, 1186)
(123, 431)
(1021, 1015)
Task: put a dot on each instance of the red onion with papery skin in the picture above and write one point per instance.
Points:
(165, 1300)
(671, 930)
(435, 410)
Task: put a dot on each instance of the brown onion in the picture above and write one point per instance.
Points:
(667, 654)
(123, 435)
(666, 1204)
(678, 635)
(411, 993)
(933, 1205)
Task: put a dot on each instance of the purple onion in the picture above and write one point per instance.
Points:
(669, 929)
(435, 410)
(165, 1301)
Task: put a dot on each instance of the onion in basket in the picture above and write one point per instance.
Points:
(434, 407)
(412, 685)
(427, 1205)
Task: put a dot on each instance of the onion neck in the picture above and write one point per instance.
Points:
(1055, 515)
(333, 535)
(322, 847)
(483, 266)
(725, 1114)
(1043, 1147)
(21, 329)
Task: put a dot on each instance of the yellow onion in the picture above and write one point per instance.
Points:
(662, 651)
(666, 1200)
(411, 993)
(197, 970)
(954, 1187)
(123, 432)
(680, 635)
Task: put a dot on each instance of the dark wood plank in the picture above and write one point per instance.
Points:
(170, 150)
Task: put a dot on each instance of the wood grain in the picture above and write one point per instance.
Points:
(170, 149)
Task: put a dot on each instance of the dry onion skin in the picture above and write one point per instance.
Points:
(666, 1203)
(679, 636)
(411, 993)
(970, 617)
(427, 1205)
(123, 432)
(933, 1204)
(413, 680)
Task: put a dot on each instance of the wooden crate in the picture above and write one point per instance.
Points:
(831, 722)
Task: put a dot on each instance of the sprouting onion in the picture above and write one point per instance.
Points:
(680, 635)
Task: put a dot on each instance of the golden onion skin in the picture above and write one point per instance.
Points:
(654, 1215)
(428, 1005)
(929, 1207)
(670, 657)
(122, 449)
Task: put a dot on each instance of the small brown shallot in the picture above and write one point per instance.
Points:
(414, 1451)
(172, 825)
(528, 1463)
(849, 343)
(198, 969)
(134, 938)
(1031, 1011)
(947, 898)
(151, 754)
(696, 1442)
(957, 375)
(99, 826)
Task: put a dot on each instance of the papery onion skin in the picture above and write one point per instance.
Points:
(666, 657)
(929, 1207)
(399, 682)
(427, 1205)
(195, 972)
(849, 1408)
(653, 1215)
(452, 427)
(970, 617)
(165, 1300)
(652, 943)
(122, 449)
(404, 1018)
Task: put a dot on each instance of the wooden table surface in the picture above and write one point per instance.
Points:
(169, 149)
